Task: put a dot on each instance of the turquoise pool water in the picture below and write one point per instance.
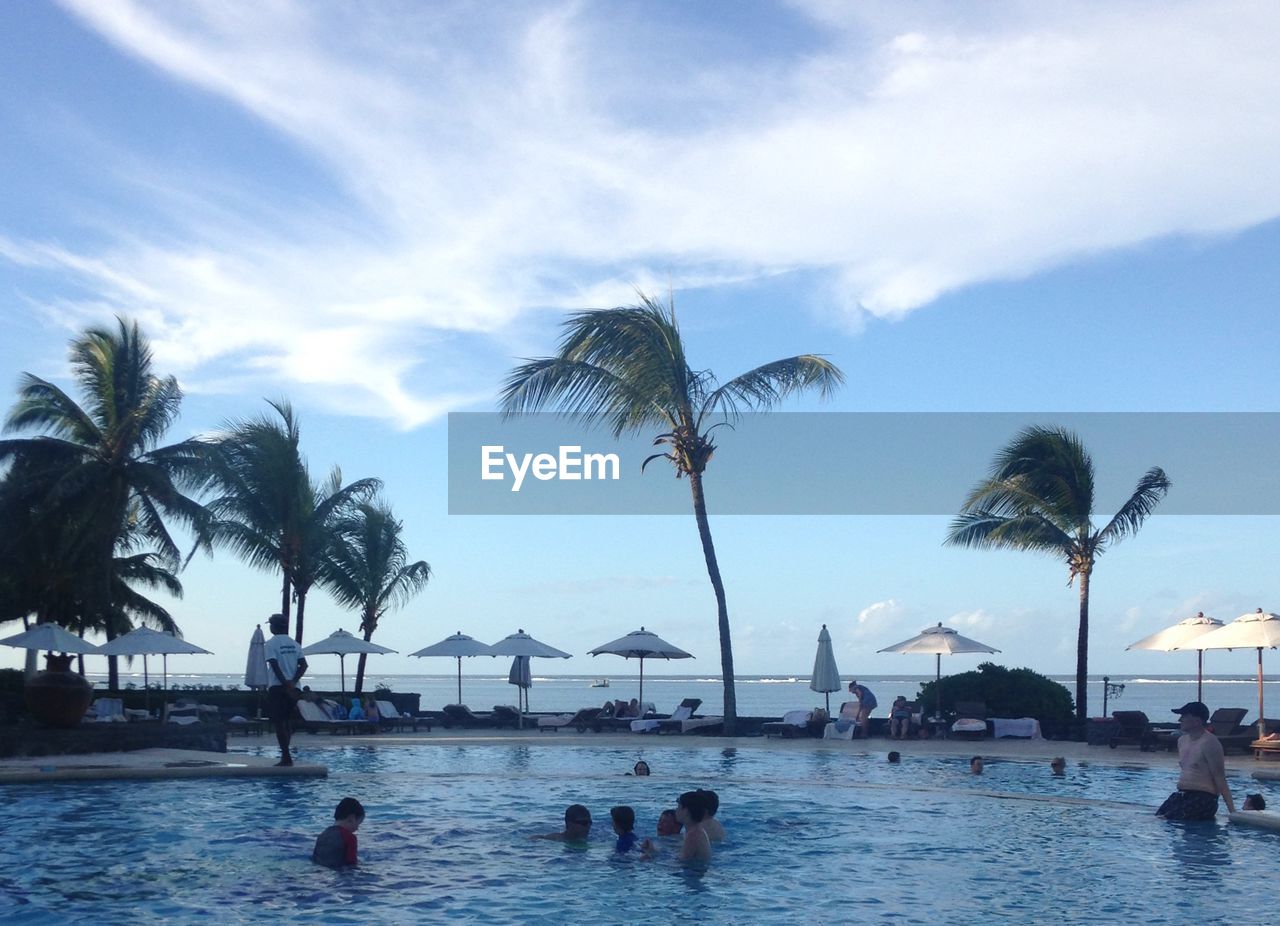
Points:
(814, 837)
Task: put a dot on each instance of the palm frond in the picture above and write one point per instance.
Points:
(766, 386)
(986, 530)
(1151, 489)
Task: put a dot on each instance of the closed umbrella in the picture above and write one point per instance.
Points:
(826, 677)
(522, 677)
(343, 644)
(257, 676)
(456, 646)
(642, 644)
(939, 641)
(144, 642)
(521, 644)
(1182, 635)
(1259, 630)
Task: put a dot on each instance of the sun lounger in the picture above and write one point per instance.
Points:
(679, 722)
(623, 724)
(459, 715)
(845, 724)
(185, 712)
(1133, 729)
(1224, 724)
(793, 723)
(106, 710)
(506, 715)
(313, 719)
(586, 717)
(389, 716)
(971, 720)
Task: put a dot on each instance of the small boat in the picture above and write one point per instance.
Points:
(600, 683)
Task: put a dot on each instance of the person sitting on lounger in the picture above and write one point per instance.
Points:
(1204, 774)
(357, 710)
(899, 718)
(336, 846)
(691, 811)
(577, 826)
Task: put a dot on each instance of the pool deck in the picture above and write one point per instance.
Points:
(149, 764)
(310, 748)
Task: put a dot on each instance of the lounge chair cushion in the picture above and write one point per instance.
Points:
(797, 718)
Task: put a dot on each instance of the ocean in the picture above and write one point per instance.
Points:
(758, 695)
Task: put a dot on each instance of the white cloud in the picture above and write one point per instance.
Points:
(536, 157)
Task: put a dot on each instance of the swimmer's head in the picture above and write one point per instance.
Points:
(668, 823)
(710, 800)
(975, 765)
(641, 768)
(895, 757)
(691, 807)
(624, 819)
(349, 813)
(1058, 765)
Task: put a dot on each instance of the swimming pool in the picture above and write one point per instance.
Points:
(815, 836)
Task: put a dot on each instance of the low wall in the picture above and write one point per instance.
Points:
(32, 740)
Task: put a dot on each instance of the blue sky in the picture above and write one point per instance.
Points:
(372, 209)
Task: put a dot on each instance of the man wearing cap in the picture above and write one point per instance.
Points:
(285, 665)
(1204, 772)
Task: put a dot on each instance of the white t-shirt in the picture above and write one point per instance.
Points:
(282, 648)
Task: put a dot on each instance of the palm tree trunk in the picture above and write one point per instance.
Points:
(302, 607)
(722, 609)
(285, 589)
(1082, 651)
(368, 635)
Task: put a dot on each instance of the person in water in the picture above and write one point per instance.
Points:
(624, 824)
(1203, 775)
(577, 826)
(1058, 766)
(640, 769)
(975, 765)
(711, 801)
(336, 846)
(691, 811)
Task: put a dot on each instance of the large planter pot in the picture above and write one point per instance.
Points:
(57, 696)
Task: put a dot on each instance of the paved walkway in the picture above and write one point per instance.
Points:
(148, 764)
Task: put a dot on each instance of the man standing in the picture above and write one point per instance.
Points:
(1204, 772)
(285, 666)
(866, 704)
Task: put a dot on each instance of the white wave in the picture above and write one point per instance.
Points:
(768, 681)
(1187, 681)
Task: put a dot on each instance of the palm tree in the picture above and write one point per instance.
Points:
(100, 462)
(627, 367)
(1039, 497)
(368, 569)
(268, 510)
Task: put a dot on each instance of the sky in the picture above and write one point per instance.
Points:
(376, 209)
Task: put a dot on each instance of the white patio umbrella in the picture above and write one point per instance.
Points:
(521, 644)
(456, 646)
(256, 673)
(52, 638)
(1259, 630)
(826, 677)
(522, 677)
(939, 641)
(642, 644)
(343, 644)
(1182, 636)
(144, 642)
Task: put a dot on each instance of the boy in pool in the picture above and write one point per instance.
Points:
(711, 801)
(577, 826)
(668, 825)
(895, 758)
(336, 846)
(975, 765)
(624, 824)
(1255, 802)
(1058, 766)
(691, 811)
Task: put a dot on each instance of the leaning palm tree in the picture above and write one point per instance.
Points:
(368, 569)
(100, 463)
(268, 510)
(1039, 497)
(627, 367)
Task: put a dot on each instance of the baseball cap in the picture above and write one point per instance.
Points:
(1195, 709)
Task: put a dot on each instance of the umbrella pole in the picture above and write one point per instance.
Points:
(642, 685)
(828, 703)
(459, 658)
(1262, 731)
(146, 685)
(165, 662)
(937, 686)
(342, 673)
(1200, 675)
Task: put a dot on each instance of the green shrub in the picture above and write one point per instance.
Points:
(1006, 692)
(11, 680)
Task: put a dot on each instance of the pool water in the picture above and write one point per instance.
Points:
(815, 836)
